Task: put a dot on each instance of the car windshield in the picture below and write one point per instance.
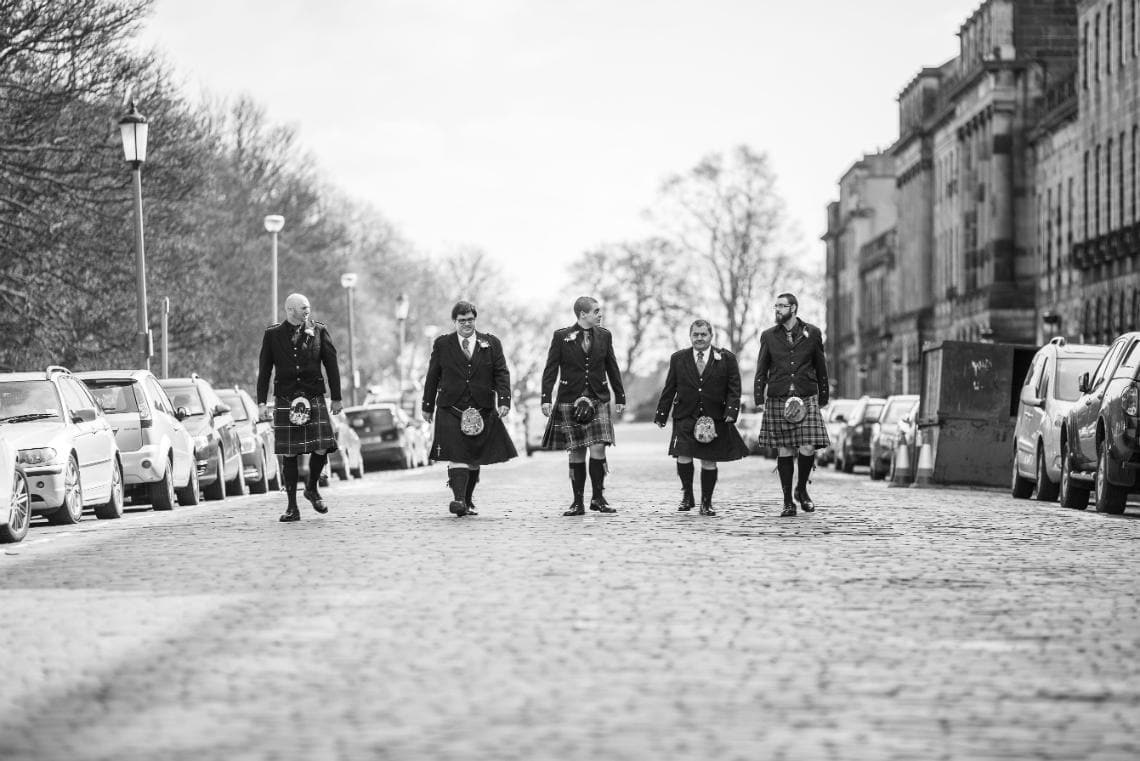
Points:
(28, 400)
(114, 396)
(1068, 372)
(840, 408)
(186, 396)
(374, 418)
(872, 411)
(896, 411)
(232, 399)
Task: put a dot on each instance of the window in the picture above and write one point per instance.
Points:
(1135, 130)
(1096, 48)
(158, 397)
(75, 396)
(1068, 371)
(1108, 186)
(1120, 179)
(1085, 58)
(1085, 196)
(1108, 39)
(1096, 193)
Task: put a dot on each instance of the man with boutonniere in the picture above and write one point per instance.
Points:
(703, 390)
(581, 359)
(293, 353)
(467, 392)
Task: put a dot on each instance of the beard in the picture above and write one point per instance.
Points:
(782, 319)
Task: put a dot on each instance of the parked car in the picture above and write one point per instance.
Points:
(157, 450)
(66, 444)
(907, 430)
(834, 415)
(15, 501)
(347, 461)
(260, 466)
(420, 433)
(383, 432)
(854, 444)
(1100, 440)
(217, 446)
(1046, 396)
(884, 433)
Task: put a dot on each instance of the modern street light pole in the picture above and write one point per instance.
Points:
(166, 337)
(273, 225)
(402, 306)
(133, 127)
(348, 282)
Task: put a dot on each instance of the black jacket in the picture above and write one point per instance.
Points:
(800, 366)
(297, 369)
(715, 393)
(582, 375)
(451, 376)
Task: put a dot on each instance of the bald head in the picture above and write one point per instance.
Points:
(296, 308)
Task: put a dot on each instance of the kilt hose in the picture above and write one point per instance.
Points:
(775, 431)
(291, 439)
(563, 433)
(450, 443)
(726, 447)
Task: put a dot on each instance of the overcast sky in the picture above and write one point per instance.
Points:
(536, 129)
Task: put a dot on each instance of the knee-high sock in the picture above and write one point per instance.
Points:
(578, 478)
(786, 466)
(708, 483)
(806, 463)
(685, 472)
(457, 480)
(472, 479)
(597, 476)
(316, 466)
(290, 472)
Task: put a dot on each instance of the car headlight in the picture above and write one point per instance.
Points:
(201, 442)
(39, 456)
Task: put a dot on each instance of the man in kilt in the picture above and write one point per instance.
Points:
(703, 389)
(469, 386)
(792, 367)
(583, 355)
(293, 352)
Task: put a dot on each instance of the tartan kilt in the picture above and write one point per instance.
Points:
(726, 447)
(452, 444)
(290, 439)
(775, 431)
(563, 433)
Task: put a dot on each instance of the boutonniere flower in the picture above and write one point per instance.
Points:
(310, 329)
(571, 337)
(716, 355)
(483, 344)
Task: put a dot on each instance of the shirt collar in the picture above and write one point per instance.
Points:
(708, 354)
(474, 338)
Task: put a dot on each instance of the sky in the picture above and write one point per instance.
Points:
(538, 129)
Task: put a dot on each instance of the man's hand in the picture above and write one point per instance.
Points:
(619, 408)
(503, 410)
(546, 409)
(428, 416)
(336, 407)
(661, 425)
(263, 411)
(729, 419)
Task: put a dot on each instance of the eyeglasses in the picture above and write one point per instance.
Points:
(465, 320)
(781, 306)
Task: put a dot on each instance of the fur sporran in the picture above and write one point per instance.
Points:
(300, 411)
(584, 410)
(471, 422)
(795, 410)
(705, 429)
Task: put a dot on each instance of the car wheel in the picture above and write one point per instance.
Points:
(1109, 497)
(1044, 490)
(113, 507)
(235, 487)
(261, 485)
(72, 509)
(217, 490)
(190, 494)
(1071, 494)
(1020, 487)
(848, 463)
(19, 511)
(162, 493)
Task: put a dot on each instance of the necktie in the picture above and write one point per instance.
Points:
(586, 341)
(467, 347)
(700, 362)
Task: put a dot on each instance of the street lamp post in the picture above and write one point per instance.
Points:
(348, 282)
(273, 225)
(402, 306)
(133, 127)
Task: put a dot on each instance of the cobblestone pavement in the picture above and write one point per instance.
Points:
(891, 624)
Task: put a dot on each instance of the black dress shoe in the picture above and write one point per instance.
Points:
(458, 508)
(291, 514)
(706, 507)
(576, 508)
(805, 501)
(687, 503)
(471, 509)
(315, 499)
(601, 505)
(789, 510)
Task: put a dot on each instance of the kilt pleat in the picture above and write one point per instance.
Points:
(726, 447)
(451, 444)
(775, 431)
(291, 439)
(563, 433)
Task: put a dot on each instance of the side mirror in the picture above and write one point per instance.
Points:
(182, 413)
(1083, 383)
(221, 409)
(1029, 399)
(840, 418)
(84, 416)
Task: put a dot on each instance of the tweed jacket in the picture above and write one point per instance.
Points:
(582, 374)
(715, 392)
(451, 376)
(297, 369)
(798, 368)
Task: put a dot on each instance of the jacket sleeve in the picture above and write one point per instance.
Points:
(732, 395)
(502, 373)
(264, 368)
(819, 360)
(550, 372)
(668, 394)
(431, 382)
(332, 369)
(614, 374)
(763, 365)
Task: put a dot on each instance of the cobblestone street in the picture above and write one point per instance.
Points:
(890, 624)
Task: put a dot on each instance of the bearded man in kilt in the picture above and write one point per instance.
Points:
(583, 355)
(791, 380)
(293, 352)
(469, 386)
(703, 390)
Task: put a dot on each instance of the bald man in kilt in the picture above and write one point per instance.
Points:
(581, 359)
(792, 366)
(703, 390)
(293, 352)
(468, 378)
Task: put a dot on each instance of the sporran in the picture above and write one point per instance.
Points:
(795, 410)
(471, 422)
(584, 410)
(300, 411)
(705, 429)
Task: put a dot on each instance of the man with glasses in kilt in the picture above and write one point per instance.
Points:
(293, 352)
(583, 355)
(791, 383)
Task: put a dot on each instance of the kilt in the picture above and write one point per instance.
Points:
(450, 443)
(290, 439)
(563, 433)
(775, 431)
(727, 445)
